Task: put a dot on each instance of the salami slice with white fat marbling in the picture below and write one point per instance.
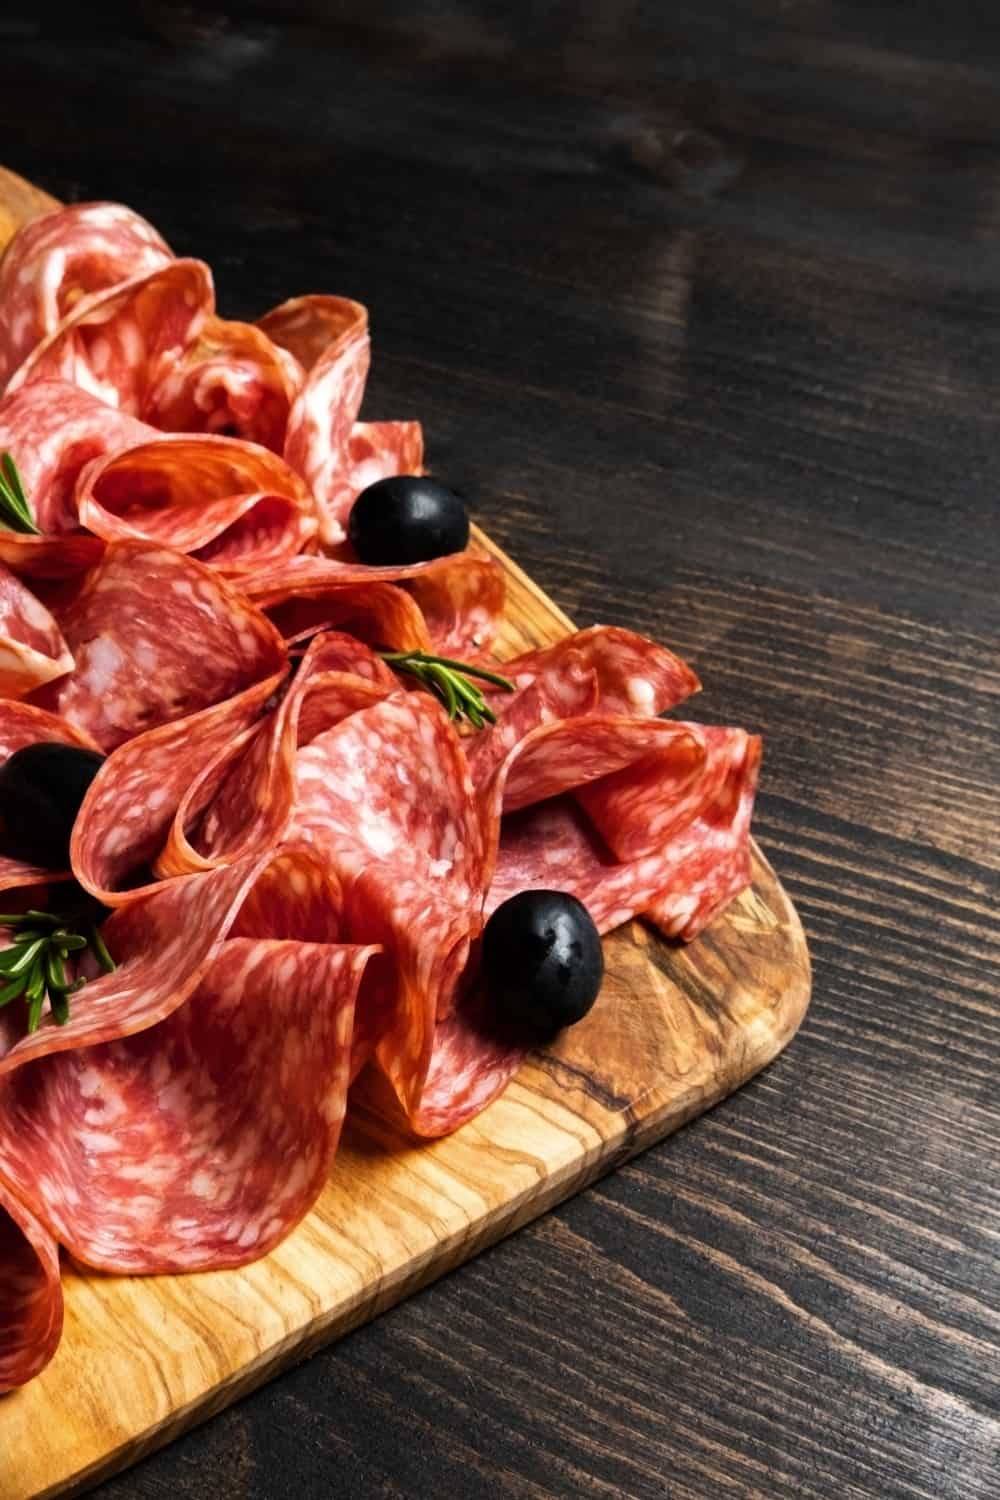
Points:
(199, 1089)
(234, 505)
(682, 883)
(59, 261)
(603, 669)
(32, 648)
(31, 1301)
(119, 343)
(155, 636)
(460, 597)
(83, 464)
(233, 380)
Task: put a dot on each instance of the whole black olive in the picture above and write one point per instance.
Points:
(542, 961)
(41, 789)
(407, 519)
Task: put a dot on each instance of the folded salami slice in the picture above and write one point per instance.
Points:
(186, 1115)
(22, 724)
(242, 802)
(155, 636)
(233, 504)
(119, 343)
(317, 440)
(380, 450)
(460, 597)
(57, 262)
(698, 866)
(306, 326)
(31, 1302)
(32, 648)
(386, 799)
(126, 816)
(53, 430)
(600, 670)
(711, 858)
(231, 380)
(309, 328)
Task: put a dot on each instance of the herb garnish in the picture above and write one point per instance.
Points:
(34, 966)
(449, 681)
(15, 512)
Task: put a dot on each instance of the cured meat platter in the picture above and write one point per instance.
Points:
(675, 1029)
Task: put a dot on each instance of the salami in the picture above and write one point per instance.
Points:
(386, 799)
(32, 648)
(604, 669)
(127, 814)
(460, 597)
(118, 344)
(187, 1114)
(233, 505)
(379, 450)
(698, 866)
(59, 261)
(155, 636)
(53, 430)
(232, 380)
(317, 439)
(31, 1303)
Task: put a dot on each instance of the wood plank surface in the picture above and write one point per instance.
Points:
(699, 305)
(677, 1029)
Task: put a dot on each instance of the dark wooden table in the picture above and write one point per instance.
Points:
(700, 303)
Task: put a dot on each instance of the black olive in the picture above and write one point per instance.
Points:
(407, 519)
(542, 961)
(41, 788)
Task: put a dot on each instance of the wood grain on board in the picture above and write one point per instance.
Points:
(676, 1029)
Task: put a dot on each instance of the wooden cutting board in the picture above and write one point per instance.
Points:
(675, 1030)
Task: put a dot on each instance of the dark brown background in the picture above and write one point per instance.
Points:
(700, 304)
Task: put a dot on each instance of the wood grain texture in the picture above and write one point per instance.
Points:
(676, 1030)
(751, 409)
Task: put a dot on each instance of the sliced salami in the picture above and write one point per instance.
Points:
(380, 450)
(232, 380)
(32, 648)
(699, 866)
(711, 858)
(31, 1301)
(386, 800)
(233, 504)
(119, 344)
(58, 262)
(307, 326)
(126, 816)
(317, 440)
(53, 430)
(155, 636)
(214, 1064)
(460, 597)
(242, 802)
(601, 670)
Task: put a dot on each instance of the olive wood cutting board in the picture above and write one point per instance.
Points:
(674, 1031)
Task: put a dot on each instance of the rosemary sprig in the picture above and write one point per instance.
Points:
(15, 512)
(449, 681)
(33, 968)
